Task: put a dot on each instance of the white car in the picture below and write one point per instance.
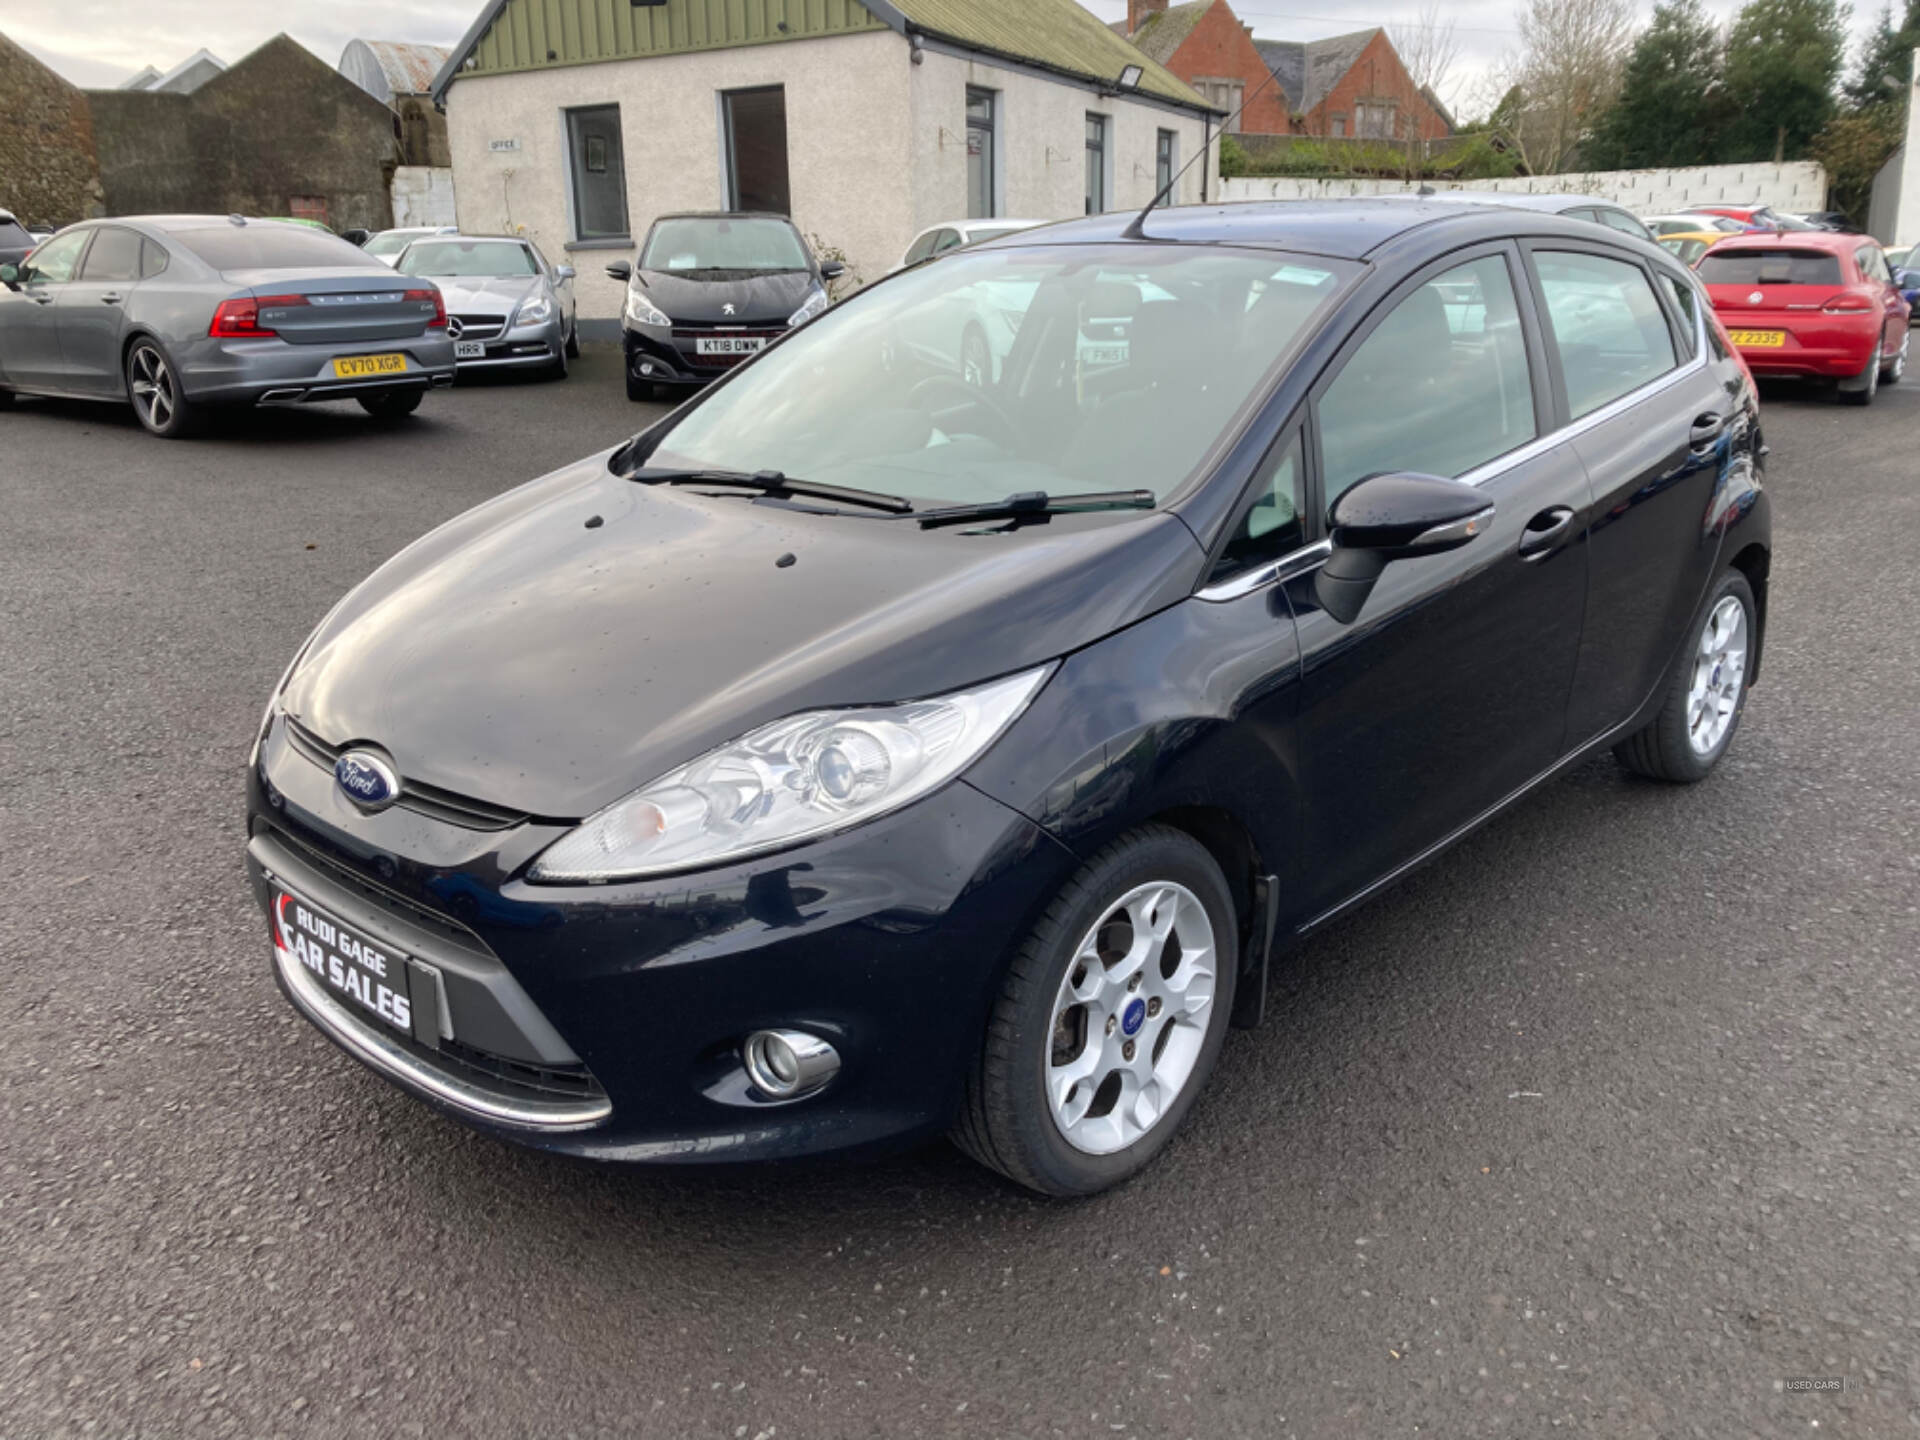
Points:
(1690, 224)
(388, 244)
(952, 234)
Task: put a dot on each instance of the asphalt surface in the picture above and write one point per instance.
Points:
(1608, 1122)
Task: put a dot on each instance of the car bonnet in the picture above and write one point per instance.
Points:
(576, 638)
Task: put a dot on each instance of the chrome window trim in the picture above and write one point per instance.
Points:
(1309, 557)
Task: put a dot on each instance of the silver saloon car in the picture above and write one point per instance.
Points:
(507, 307)
(179, 315)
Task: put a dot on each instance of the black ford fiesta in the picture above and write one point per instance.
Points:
(938, 727)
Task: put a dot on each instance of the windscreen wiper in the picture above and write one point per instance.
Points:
(775, 483)
(1036, 502)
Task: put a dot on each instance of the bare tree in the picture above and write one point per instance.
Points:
(1428, 48)
(1564, 75)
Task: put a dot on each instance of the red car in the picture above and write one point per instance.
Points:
(1811, 303)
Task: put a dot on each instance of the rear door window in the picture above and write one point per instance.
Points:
(274, 247)
(1612, 335)
(1440, 386)
(115, 255)
(1772, 266)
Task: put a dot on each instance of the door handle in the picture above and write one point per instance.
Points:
(1545, 532)
(112, 297)
(1706, 429)
(41, 299)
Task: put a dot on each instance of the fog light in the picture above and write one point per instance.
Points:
(646, 367)
(785, 1064)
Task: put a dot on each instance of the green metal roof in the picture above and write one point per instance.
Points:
(1058, 35)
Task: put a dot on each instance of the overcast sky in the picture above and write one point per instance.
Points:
(101, 42)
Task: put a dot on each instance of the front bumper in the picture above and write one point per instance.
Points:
(889, 941)
(522, 347)
(669, 355)
(269, 369)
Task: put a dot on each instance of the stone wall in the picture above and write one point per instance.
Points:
(1798, 186)
(278, 125)
(47, 170)
(423, 195)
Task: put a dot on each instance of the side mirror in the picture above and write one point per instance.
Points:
(620, 270)
(1393, 517)
(832, 270)
(1907, 279)
(10, 276)
(567, 272)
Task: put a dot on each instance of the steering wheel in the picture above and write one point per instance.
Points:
(926, 394)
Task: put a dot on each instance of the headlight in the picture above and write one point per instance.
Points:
(533, 311)
(796, 778)
(641, 310)
(816, 302)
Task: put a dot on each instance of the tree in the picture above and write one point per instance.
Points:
(1428, 49)
(1853, 148)
(1672, 102)
(1783, 61)
(1886, 62)
(1564, 76)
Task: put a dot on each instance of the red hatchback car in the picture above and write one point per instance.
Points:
(1811, 303)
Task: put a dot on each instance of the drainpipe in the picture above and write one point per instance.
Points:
(1205, 145)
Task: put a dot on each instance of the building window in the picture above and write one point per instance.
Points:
(1224, 95)
(1339, 126)
(756, 153)
(1096, 163)
(1374, 121)
(597, 174)
(980, 107)
(1164, 163)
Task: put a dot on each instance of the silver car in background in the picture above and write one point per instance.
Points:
(386, 245)
(507, 307)
(180, 314)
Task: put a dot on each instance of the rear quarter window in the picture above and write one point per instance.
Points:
(275, 247)
(1721, 266)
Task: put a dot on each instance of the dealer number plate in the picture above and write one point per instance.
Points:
(1759, 339)
(366, 976)
(729, 345)
(357, 367)
(469, 349)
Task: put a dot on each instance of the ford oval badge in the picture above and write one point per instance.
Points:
(366, 779)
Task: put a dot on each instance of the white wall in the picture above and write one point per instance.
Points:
(423, 195)
(1798, 186)
(876, 145)
(1042, 137)
(847, 144)
(1894, 218)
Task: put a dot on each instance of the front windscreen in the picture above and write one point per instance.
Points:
(1722, 266)
(467, 259)
(269, 246)
(723, 243)
(1057, 368)
(390, 243)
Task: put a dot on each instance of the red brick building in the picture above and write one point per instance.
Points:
(1352, 85)
(1204, 43)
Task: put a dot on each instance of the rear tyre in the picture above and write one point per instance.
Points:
(390, 404)
(153, 389)
(1861, 389)
(6, 399)
(1109, 1019)
(1892, 372)
(1706, 693)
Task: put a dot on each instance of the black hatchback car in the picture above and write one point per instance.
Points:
(707, 292)
(886, 745)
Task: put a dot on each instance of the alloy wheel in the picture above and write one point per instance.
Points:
(1719, 670)
(151, 381)
(1131, 1017)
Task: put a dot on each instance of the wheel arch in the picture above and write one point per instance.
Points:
(1754, 561)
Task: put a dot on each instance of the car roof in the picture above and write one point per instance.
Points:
(725, 215)
(6, 214)
(1348, 228)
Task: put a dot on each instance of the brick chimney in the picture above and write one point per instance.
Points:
(1139, 10)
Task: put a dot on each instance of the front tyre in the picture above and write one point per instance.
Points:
(1706, 693)
(153, 388)
(1109, 1020)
